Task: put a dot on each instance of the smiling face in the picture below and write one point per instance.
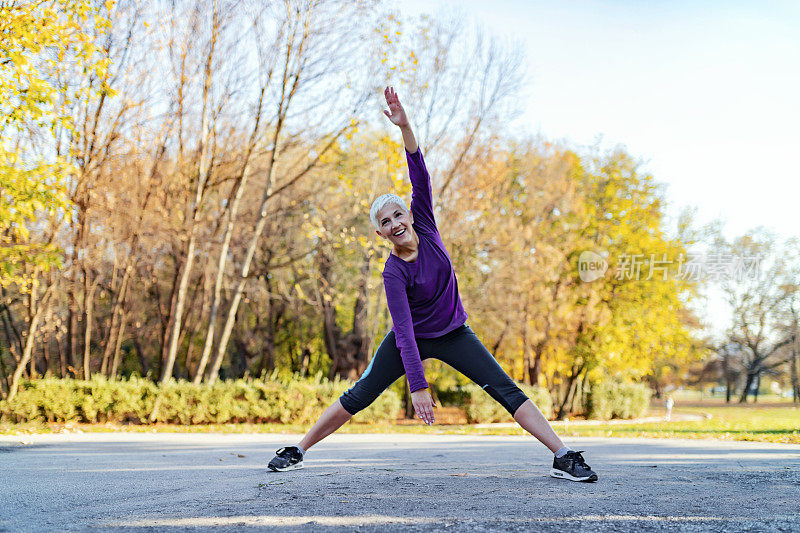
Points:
(394, 224)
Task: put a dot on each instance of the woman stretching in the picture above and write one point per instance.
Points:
(428, 321)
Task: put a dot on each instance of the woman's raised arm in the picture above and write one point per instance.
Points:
(397, 115)
(421, 191)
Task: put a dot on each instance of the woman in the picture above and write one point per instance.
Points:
(429, 321)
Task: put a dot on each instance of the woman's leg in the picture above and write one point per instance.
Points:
(384, 369)
(464, 351)
(332, 419)
(534, 422)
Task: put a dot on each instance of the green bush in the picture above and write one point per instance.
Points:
(139, 400)
(455, 397)
(615, 399)
(482, 408)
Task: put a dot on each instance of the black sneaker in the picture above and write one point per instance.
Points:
(571, 466)
(286, 458)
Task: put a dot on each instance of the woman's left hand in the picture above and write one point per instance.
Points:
(398, 114)
(423, 405)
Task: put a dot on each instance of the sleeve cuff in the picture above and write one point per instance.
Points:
(418, 386)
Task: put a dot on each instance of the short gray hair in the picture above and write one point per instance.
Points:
(381, 202)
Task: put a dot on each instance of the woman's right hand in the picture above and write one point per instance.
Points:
(398, 114)
(423, 405)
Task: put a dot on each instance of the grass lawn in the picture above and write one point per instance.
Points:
(774, 423)
(769, 421)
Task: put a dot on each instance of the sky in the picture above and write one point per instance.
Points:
(706, 94)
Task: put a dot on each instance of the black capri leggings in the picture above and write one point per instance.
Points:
(459, 348)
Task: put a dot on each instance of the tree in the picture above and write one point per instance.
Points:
(38, 39)
(309, 70)
(348, 288)
(759, 288)
(199, 182)
(528, 230)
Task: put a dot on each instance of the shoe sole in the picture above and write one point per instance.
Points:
(298, 466)
(560, 474)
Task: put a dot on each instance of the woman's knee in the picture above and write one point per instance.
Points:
(383, 370)
(509, 395)
(359, 397)
(351, 404)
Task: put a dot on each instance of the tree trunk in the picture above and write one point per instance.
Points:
(140, 355)
(29, 341)
(46, 354)
(533, 358)
(232, 213)
(202, 178)
(166, 325)
(348, 352)
(331, 334)
(576, 398)
(496, 345)
(79, 263)
(746, 389)
(274, 313)
(658, 390)
(72, 324)
(527, 353)
(570, 389)
(203, 319)
(15, 346)
(117, 327)
(116, 317)
(536, 369)
(3, 376)
(87, 336)
(117, 345)
(358, 338)
(62, 356)
(408, 405)
(727, 375)
(241, 363)
(757, 385)
(794, 364)
(795, 377)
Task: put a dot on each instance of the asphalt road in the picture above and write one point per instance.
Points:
(196, 482)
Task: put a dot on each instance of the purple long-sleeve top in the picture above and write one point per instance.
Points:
(423, 295)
